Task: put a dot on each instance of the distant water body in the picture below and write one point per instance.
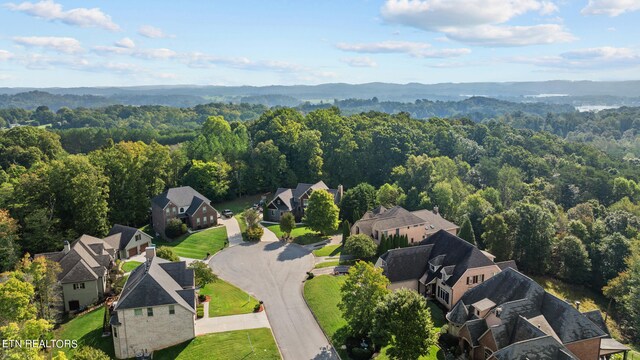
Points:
(595, 108)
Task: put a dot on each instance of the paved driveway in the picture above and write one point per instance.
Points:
(233, 230)
(273, 272)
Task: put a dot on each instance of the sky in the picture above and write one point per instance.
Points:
(56, 43)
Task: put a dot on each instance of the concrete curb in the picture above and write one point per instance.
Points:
(333, 350)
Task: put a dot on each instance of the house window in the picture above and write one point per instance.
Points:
(211, 218)
(172, 309)
(198, 221)
(181, 210)
(168, 211)
(137, 312)
(78, 286)
(204, 210)
(175, 210)
(115, 331)
(138, 237)
(305, 202)
(398, 231)
(149, 311)
(443, 295)
(487, 353)
(204, 219)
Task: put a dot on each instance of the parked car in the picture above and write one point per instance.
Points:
(227, 213)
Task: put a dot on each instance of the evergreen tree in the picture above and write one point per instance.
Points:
(346, 230)
(466, 231)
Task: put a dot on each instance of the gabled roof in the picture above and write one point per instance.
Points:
(435, 221)
(406, 263)
(180, 196)
(289, 197)
(545, 347)
(382, 219)
(195, 205)
(158, 282)
(120, 235)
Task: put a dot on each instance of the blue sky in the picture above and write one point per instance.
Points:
(117, 43)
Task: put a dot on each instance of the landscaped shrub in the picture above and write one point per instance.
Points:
(167, 253)
(202, 298)
(174, 228)
(200, 311)
(183, 228)
(255, 233)
(89, 353)
(358, 353)
(310, 275)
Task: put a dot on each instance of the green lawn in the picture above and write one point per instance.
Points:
(232, 345)
(243, 225)
(323, 295)
(238, 205)
(87, 329)
(130, 265)
(196, 246)
(329, 250)
(333, 263)
(227, 299)
(301, 234)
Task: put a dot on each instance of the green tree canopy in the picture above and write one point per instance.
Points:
(357, 201)
(321, 214)
(360, 246)
(209, 178)
(287, 223)
(466, 231)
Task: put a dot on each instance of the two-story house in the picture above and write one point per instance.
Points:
(184, 203)
(443, 267)
(416, 225)
(127, 241)
(510, 316)
(85, 266)
(295, 200)
(156, 309)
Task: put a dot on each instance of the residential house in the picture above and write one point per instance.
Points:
(295, 200)
(510, 316)
(416, 225)
(85, 268)
(156, 309)
(183, 203)
(127, 241)
(443, 267)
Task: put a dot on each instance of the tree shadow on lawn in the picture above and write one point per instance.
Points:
(94, 339)
(310, 238)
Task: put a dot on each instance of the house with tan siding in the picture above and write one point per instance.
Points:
(416, 225)
(442, 267)
(156, 309)
(127, 241)
(184, 203)
(510, 316)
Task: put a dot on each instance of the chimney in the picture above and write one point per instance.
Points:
(67, 247)
(577, 305)
(436, 210)
(150, 253)
(340, 192)
(498, 312)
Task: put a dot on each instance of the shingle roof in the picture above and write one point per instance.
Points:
(406, 263)
(181, 196)
(543, 348)
(195, 204)
(152, 285)
(120, 235)
(435, 220)
(381, 219)
(289, 197)
(507, 264)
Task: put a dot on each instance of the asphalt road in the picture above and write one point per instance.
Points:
(273, 272)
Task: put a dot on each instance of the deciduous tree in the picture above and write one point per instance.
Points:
(322, 213)
(360, 246)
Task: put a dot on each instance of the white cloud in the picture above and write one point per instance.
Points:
(65, 45)
(5, 55)
(588, 58)
(610, 7)
(52, 11)
(161, 53)
(491, 35)
(415, 49)
(359, 62)
(478, 22)
(126, 43)
(153, 32)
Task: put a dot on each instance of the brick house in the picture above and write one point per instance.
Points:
(443, 267)
(510, 316)
(184, 203)
(85, 266)
(156, 309)
(295, 200)
(417, 225)
(127, 241)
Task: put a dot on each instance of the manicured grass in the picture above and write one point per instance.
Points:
(333, 263)
(227, 299)
(301, 234)
(329, 250)
(323, 295)
(130, 265)
(197, 245)
(243, 226)
(87, 329)
(225, 345)
(238, 205)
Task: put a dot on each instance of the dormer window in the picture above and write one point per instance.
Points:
(432, 267)
(181, 210)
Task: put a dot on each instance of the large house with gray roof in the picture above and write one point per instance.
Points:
(510, 316)
(443, 267)
(85, 266)
(184, 203)
(156, 308)
(416, 225)
(127, 241)
(295, 200)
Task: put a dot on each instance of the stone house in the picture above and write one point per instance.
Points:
(443, 267)
(295, 200)
(127, 241)
(510, 316)
(184, 203)
(416, 225)
(156, 309)
(85, 268)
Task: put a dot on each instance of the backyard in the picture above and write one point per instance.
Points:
(238, 205)
(130, 265)
(197, 245)
(87, 329)
(322, 293)
(233, 345)
(227, 299)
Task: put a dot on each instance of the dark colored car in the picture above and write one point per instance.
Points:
(227, 213)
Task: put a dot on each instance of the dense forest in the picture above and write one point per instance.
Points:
(558, 207)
